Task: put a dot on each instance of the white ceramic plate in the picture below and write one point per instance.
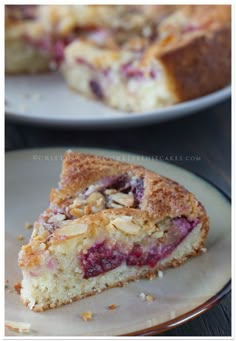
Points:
(45, 99)
(181, 294)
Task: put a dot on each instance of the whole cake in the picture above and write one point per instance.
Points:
(108, 223)
(130, 57)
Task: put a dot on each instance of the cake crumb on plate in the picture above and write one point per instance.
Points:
(17, 287)
(20, 237)
(28, 226)
(112, 306)
(87, 316)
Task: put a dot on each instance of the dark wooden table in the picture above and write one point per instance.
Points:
(200, 143)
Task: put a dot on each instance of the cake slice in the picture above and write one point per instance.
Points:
(172, 65)
(108, 223)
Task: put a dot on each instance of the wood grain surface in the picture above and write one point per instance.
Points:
(200, 143)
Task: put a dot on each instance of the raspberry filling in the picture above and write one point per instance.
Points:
(101, 257)
(96, 89)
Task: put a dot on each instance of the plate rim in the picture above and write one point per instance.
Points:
(182, 319)
(190, 315)
(132, 119)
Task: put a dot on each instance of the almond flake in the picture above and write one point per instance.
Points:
(126, 226)
(71, 229)
(57, 218)
(123, 199)
(20, 327)
(158, 234)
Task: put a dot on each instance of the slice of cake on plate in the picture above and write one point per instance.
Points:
(108, 223)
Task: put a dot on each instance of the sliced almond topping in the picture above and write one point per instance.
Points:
(123, 199)
(78, 202)
(19, 327)
(88, 209)
(57, 218)
(97, 201)
(76, 212)
(125, 226)
(87, 316)
(114, 205)
(71, 229)
(110, 191)
(158, 234)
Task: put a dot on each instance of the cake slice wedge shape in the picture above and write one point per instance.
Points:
(108, 223)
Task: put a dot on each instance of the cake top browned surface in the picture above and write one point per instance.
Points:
(161, 196)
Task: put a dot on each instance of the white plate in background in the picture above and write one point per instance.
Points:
(181, 294)
(45, 99)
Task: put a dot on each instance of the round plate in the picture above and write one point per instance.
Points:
(45, 99)
(180, 295)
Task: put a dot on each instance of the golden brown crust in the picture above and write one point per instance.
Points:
(200, 66)
(162, 197)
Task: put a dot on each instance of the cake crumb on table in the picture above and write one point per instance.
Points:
(204, 249)
(87, 316)
(17, 287)
(112, 306)
(20, 327)
(160, 274)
